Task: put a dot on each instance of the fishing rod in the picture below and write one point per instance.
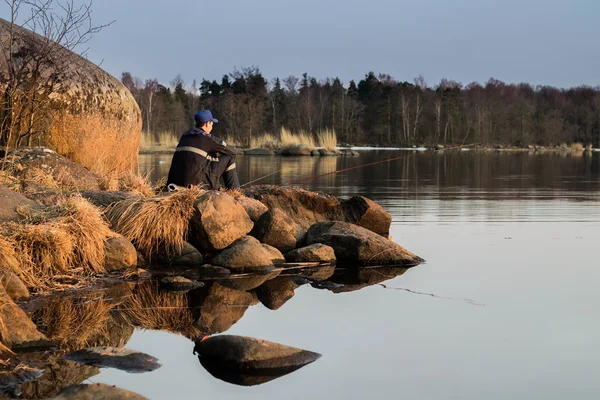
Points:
(367, 165)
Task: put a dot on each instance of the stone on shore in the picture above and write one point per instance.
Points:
(316, 252)
(303, 207)
(179, 284)
(355, 244)
(119, 254)
(274, 253)
(9, 201)
(14, 286)
(218, 221)
(366, 213)
(97, 391)
(296, 150)
(20, 332)
(112, 357)
(188, 256)
(245, 255)
(208, 271)
(253, 207)
(276, 229)
(248, 361)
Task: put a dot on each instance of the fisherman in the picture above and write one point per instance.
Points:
(200, 159)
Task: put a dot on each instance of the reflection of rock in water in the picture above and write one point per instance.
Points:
(275, 293)
(58, 374)
(246, 283)
(98, 391)
(247, 361)
(10, 379)
(355, 279)
(217, 308)
(119, 358)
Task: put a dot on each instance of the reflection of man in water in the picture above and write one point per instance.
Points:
(200, 159)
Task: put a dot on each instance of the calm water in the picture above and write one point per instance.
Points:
(512, 248)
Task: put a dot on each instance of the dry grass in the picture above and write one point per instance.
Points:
(327, 139)
(149, 308)
(576, 147)
(72, 323)
(4, 302)
(287, 138)
(128, 182)
(589, 147)
(155, 223)
(107, 146)
(265, 140)
(167, 140)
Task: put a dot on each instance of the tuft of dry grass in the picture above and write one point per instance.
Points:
(4, 302)
(327, 139)
(287, 138)
(589, 147)
(149, 308)
(265, 140)
(576, 147)
(72, 323)
(155, 223)
(128, 182)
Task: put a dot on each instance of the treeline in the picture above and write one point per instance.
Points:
(377, 110)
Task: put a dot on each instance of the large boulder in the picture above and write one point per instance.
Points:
(245, 255)
(188, 256)
(316, 252)
(248, 361)
(217, 222)
(366, 213)
(9, 201)
(276, 229)
(20, 332)
(355, 244)
(274, 253)
(88, 115)
(119, 254)
(303, 207)
(253, 207)
(97, 391)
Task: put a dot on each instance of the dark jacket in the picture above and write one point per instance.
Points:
(190, 165)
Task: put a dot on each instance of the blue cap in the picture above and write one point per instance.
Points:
(204, 116)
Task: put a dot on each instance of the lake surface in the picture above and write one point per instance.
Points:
(506, 305)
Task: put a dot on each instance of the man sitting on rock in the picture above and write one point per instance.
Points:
(201, 160)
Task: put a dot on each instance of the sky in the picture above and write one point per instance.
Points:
(542, 42)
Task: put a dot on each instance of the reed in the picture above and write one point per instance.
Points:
(154, 223)
(327, 139)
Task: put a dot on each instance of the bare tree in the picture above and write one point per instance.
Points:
(37, 48)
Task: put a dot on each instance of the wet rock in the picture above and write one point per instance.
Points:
(248, 283)
(366, 213)
(324, 152)
(315, 153)
(274, 253)
(20, 333)
(253, 207)
(259, 152)
(188, 256)
(58, 373)
(103, 199)
(276, 292)
(179, 283)
(218, 221)
(9, 201)
(276, 229)
(112, 357)
(220, 308)
(9, 380)
(316, 252)
(97, 391)
(303, 207)
(355, 244)
(296, 150)
(119, 254)
(248, 361)
(245, 255)
(210, 271)
(319, 273)
(14, 286)
(352, 280)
